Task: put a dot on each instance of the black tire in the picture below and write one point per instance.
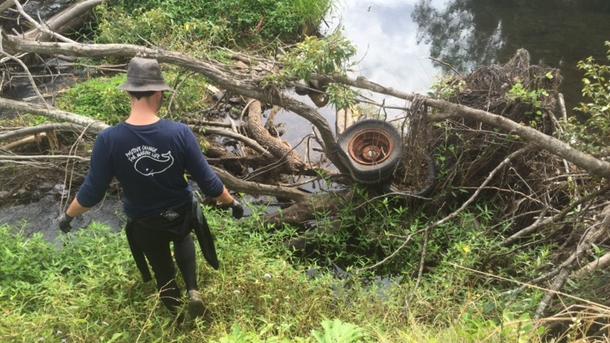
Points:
(376, 171)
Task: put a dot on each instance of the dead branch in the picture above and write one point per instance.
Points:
(66, 20)
(37, 138)
(6, 5)
(542, 223)
(24, 107)
(42, 28)
(249, 187)
(565, 269)
(4, 158)
(246, 140)
(592, 266)
(37, 129)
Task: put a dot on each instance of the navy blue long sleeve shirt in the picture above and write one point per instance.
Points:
(150, 162)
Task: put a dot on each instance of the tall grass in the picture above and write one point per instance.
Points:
(90, 291)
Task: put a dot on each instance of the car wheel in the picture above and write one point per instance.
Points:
(371, 149)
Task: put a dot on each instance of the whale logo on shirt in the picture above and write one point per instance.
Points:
(148, 166)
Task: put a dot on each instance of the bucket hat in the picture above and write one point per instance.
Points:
(144, 75)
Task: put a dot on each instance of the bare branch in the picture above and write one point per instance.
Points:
(249, 187)
(51, 112)
(37, 129)
(40, 27)
(248, 141)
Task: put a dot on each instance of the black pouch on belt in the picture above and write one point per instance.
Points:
(204, 236)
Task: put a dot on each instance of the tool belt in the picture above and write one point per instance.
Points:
(192, 220)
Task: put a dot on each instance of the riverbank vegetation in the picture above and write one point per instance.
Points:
(501, 241)
(89, 290)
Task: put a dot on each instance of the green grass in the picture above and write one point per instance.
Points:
(90, 291)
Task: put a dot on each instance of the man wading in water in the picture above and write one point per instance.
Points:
(149, 157)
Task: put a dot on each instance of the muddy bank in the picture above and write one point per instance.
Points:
(40, 216)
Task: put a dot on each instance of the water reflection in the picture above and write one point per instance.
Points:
(387, 42)
(467, 33)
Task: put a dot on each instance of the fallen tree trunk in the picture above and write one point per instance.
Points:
(37, 129)
(69, 19)
(224, 77)
(239, 185)
(275, 145)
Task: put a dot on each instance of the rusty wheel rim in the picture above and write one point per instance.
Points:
(370, 147)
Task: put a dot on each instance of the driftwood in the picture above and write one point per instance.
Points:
(24, 107)
(38, 129)
(69, 19)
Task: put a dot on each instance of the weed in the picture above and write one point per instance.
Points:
(534, 97)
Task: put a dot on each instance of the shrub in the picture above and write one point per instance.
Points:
(167, 23)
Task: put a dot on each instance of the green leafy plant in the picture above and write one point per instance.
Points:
(592, 131)
(336, 331)
(534, 97)
(329, 55)
(98, 98)
(101, 99)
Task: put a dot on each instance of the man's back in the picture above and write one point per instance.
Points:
(149, 161)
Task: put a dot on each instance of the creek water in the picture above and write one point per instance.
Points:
(396, 38)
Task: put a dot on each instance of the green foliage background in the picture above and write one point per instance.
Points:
(195, 23)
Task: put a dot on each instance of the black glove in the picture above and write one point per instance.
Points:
(237, 210)
(64, 223)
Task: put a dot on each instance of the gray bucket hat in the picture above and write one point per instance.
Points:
(144, 75)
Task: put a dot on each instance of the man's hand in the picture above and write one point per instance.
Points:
(237, 210)
(64, 223)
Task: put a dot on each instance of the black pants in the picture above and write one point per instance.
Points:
(153, 237)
